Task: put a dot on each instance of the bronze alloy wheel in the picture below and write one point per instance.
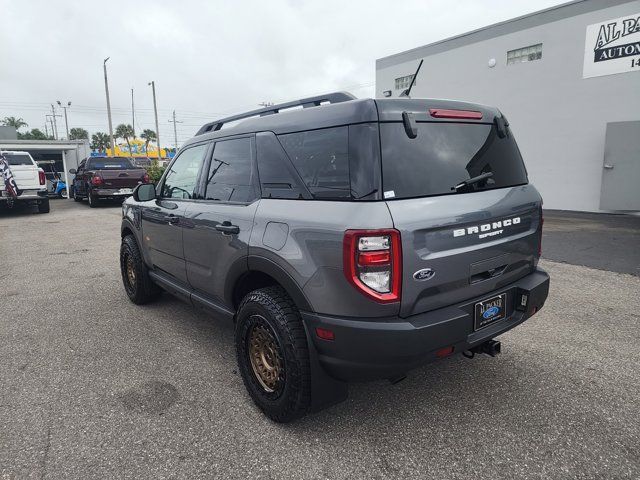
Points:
(265, 356)
(131, 271)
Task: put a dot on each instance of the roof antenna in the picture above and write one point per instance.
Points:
(406, 92)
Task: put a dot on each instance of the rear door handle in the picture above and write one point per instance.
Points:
(226, 227)
(608, 166)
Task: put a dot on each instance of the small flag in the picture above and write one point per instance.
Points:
(10, 185)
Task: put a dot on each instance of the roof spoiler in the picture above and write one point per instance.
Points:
(335, 97)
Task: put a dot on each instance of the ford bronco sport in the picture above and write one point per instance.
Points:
(347, 240)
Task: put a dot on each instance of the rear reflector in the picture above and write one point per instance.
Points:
(325, 334)
(444, 352)
(457, 114)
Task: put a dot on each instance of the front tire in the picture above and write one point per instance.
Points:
(135, 275)
(273, 355)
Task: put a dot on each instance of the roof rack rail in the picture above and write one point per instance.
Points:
(335, 97)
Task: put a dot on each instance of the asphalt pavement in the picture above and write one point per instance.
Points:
(96, 387)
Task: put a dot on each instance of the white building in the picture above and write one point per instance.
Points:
(568, 80)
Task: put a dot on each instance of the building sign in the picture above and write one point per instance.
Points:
(612, 47)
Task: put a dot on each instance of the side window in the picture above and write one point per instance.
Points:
(321, 157)
(229, 177)
(180, 180)
(278, 178)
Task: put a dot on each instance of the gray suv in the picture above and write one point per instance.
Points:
(346, 239)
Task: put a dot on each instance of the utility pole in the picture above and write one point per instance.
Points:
(106, 89)
(55, 124)
(175, 131)
(133, 115)
(155, 111)
(66, 122)
(46, 129)
(49, 118)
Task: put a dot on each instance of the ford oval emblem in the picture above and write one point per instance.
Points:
(490, 312)
(424, 274)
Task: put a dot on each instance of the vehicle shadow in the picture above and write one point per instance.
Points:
(18, 210)
(451, 388)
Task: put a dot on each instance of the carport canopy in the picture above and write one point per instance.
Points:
(49, 146)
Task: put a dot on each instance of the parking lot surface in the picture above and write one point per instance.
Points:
(96, 387)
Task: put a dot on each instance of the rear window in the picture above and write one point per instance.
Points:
(445, 154)
(110, 163)
(18, 159)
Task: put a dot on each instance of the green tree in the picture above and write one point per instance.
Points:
(126, 132)
(100, 141)
(148, 136)
(14, 122)
(78, 134)
(34, 134)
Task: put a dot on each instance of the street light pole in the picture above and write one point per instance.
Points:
(106, 88)
(66, 121)
(155, 111)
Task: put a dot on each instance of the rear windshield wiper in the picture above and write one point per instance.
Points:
(473, 180)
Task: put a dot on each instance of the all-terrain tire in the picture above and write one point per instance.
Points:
(139, 287)
(272, 309)
(44, 207)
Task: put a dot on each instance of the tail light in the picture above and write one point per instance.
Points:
(373, 263)
(96, 180)
(41, 177)
(145, 178)
(456, 114)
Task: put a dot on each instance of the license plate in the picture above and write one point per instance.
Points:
(490, 311)
(125, 191)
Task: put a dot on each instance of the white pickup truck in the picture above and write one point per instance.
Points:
(30, 179)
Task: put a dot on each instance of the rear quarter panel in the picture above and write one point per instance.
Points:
(305, 238)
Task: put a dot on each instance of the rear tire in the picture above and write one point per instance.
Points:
(92, 199)
(63, 193)
(43, 206)
(135, 274)
(273, 355)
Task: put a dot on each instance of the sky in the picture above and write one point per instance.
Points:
(209, 58)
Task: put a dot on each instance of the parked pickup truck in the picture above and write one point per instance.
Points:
(106, 177)
(30, 180)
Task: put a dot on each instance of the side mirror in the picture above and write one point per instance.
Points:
(72, 171)
(144, 192)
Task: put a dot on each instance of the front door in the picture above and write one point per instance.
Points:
(162, 218)
(217, 228)
(621, 167)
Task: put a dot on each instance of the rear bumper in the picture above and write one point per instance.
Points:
(388, 347)
(112, 192)
(27, 196)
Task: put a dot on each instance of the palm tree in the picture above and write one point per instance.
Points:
(78, 134)
(148, 136)
(126, 132)
(14, 122)
(100, 141)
